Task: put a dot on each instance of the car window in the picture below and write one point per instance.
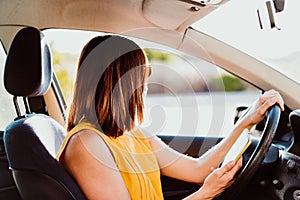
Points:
(186, 95)
(192, 97)
(7, 110)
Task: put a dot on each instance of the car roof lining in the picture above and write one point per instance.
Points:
(131, 17)
(123, 16)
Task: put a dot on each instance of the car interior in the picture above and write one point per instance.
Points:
(29, 143)
(32, 160)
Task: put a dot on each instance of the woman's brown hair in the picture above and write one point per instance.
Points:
(109, 85)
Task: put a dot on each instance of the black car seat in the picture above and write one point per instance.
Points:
(8, 189)
(32, 140)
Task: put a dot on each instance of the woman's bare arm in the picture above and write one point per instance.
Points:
(92, 164)
(195, 170)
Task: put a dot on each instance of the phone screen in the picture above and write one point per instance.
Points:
(238, 148)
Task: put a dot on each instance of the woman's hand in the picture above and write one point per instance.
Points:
(260, 106)
(219, 179)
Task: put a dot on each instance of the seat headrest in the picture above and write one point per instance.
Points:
(28, 67)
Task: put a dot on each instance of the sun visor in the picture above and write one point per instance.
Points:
(178, 14)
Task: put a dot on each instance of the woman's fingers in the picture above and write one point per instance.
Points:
(259, 108)
(219, 179)
(238, 165)
(227, 167)
(274, 97)
(279, 99)
(231, 168)
(268, 103)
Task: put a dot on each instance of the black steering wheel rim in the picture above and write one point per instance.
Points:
(268, 133)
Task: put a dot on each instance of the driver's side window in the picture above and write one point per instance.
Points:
(191, 97)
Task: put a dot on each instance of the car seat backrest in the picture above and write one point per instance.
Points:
(8, 189)
(32, 140)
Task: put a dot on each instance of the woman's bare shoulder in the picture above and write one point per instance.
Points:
(92, 164)
(89, 145)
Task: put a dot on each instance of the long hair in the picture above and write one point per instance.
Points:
(109, 85)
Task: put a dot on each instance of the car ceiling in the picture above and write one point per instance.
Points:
(130, 17)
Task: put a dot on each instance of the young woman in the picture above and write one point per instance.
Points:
(108, 154)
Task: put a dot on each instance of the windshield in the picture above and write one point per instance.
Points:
(245, 25)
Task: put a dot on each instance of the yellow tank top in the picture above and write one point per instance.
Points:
(135, 160)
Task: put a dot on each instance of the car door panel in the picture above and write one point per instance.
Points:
(193, 146)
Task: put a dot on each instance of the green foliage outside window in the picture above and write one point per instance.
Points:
(157, 55)
(228, 83)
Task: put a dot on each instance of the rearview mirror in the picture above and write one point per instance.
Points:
(279, 5)
(272, 7)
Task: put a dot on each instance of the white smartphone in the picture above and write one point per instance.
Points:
(238, 148)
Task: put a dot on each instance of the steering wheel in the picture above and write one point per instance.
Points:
(247, 172)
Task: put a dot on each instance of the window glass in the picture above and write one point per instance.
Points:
(275, 46)
(7, 110)
(189, 96)
(186, 96)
